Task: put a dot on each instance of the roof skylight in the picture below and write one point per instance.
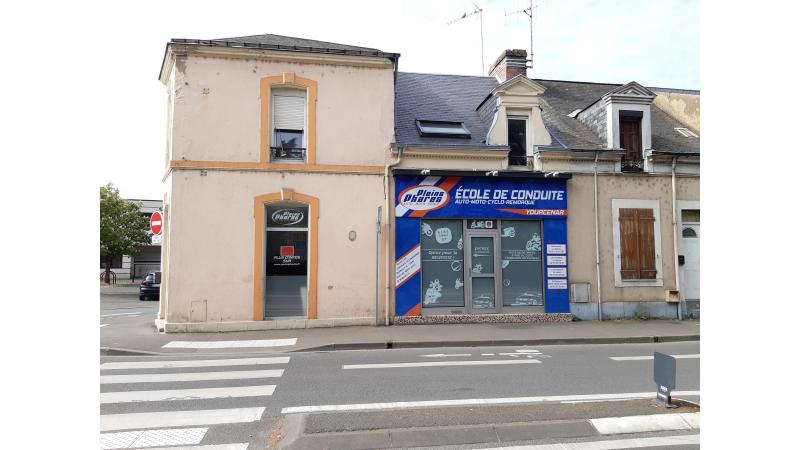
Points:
(438, 128)
(685, 132)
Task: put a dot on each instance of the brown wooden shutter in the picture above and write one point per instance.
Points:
(637, 244)
(647, 244)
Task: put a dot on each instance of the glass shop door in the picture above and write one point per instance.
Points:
(482, 270)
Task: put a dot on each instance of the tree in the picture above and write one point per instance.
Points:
(123, 229)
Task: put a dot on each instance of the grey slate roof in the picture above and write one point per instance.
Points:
(423, 96)
(455, 98)
(288, 43)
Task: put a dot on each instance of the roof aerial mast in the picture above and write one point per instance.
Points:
(479, 12)
(528, 12)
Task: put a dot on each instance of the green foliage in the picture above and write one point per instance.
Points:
(123, 229)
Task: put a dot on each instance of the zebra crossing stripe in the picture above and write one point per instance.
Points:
(152, 438)
(232, 344)
(186, 394)
(135, 421)
(190, 376)
(242, 446)
(193, 363)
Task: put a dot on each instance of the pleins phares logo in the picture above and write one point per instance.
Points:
(423, 198)
(287, 217)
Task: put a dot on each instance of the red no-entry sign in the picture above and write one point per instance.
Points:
(155, 223)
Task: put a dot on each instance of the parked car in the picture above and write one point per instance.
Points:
(150, 287)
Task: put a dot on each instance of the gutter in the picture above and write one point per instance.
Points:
(597, 243)
(386, 196)
(675, 235)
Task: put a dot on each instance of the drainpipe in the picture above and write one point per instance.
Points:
(597, 243)
(386, 198)
(675, 236)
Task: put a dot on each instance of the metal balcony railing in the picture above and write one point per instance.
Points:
(632, 164)
(287, 154)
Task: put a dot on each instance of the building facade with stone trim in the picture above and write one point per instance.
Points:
(313, 184)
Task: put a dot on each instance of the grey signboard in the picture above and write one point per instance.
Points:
(664, 377)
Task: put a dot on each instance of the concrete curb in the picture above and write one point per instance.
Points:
(499, 343)
(118, 351)
(115, 351)
(489, 433)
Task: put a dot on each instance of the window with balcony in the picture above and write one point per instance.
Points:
(288, 126)
(630, 139)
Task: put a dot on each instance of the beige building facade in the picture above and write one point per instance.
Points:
(260, 125)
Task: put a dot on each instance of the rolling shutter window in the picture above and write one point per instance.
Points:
(289, 112)
(637, 244)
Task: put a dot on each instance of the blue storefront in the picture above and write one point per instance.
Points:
(468, 244)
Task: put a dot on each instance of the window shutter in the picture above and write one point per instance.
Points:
(289, 112)
(637, 244)
(647, 244)
(629, 244)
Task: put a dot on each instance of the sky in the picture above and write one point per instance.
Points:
(655, 43)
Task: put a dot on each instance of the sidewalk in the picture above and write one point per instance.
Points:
(145, 339)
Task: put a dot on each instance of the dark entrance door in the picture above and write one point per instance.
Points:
(286, 274)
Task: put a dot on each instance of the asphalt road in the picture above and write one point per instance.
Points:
(323, 378)
(301, 379)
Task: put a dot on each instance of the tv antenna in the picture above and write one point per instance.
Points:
(528, 12)
(479, 12)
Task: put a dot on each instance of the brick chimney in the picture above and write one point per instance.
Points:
(510, 64)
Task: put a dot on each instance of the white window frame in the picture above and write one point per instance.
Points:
(618, 203)
(612, 124)
(287, 91)
(513, 114)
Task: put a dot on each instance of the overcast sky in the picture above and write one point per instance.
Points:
(654, 42)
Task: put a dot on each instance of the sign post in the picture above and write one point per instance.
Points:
(664, 377)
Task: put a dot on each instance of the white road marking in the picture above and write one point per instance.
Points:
(232, 344)
(242, 446)
(527, 351)
(487, 354)
(661, 441)
(640, 424)
(134, 421)
(645, 358)
(190, 376)
(476, 401)
(152, 438)
(193, 363)
(441, 355)
(439, 363)
(186, 394)
(121, 314)
(103, 325)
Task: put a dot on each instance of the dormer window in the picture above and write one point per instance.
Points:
(516, 141)
(630, 139)
(438, 128)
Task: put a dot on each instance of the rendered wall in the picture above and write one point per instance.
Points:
(217, 109)
(212, 241)
(581, 230)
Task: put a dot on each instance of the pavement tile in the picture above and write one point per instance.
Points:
(544, 430)
(342, 441)
(421, 437)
